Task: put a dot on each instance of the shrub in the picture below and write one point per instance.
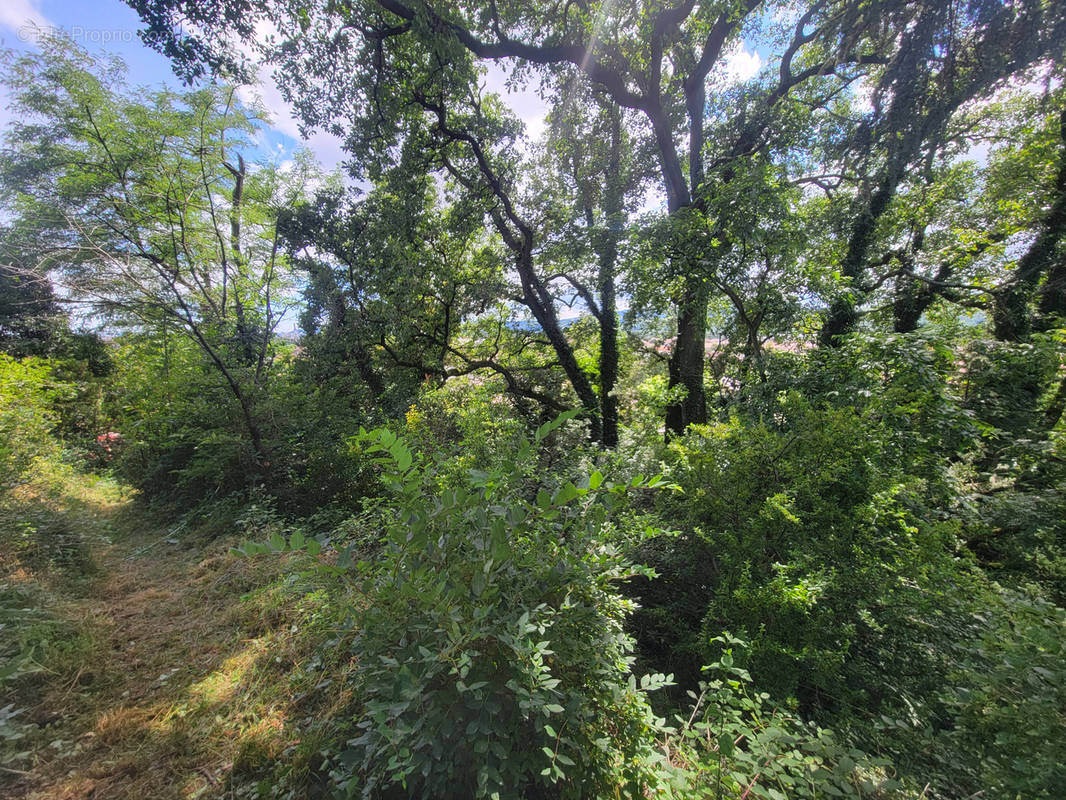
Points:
(806, 539)
(1007, 696)
(491, 653)
(734, 743)
(27, 416)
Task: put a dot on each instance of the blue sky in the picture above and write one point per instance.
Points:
(97, 25)
(110, 26)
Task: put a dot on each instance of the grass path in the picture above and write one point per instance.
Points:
(170, 669)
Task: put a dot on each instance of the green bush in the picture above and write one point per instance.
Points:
(1018, 531)
(1007, 697)
(734, 742)
(491, 654)
(806, 539)
(28, 394)
(468, 423)
(182, 439)
(908, 388)
(1003, 384)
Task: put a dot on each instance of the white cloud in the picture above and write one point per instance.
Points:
(523, 100)
(327, 148)
(535, 126)
(741, 64)
(20, 16)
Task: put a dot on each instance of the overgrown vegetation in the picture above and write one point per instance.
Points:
(790, 525)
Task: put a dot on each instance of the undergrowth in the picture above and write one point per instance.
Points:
(143, 661)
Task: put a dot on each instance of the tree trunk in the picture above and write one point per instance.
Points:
(608, 356)
(843, 311)
(911, 301)
(614, 215)
(687, 358)
(540, 303)
(1052, 308)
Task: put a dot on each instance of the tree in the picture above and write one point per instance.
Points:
(953, 55)
(923, 61)
(30, 317)
(142, 208)
(348, 54)
(392, 277)
(589, 183)
(1044, 262)
(967, 222)
(443, 124)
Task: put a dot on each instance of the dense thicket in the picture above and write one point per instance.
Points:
(823, 305)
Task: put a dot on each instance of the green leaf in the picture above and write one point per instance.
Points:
(344, 560)
(548, 427)
(566, 493)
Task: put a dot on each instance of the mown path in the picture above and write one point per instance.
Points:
(172, 686)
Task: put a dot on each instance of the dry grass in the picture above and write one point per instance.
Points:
(190, 681)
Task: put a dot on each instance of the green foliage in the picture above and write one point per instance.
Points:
(806, 539)
(1013, 510)
(182, 431)
(33, 638)
(907, 385)
(30, 318)
(464, 424)
(28, 393)
(1008, 699)
(313, 470)
(735, 743)
(185, 442)
(141, 206)
(1003, 384)
(1019, 532)
(842, 510)
(491, 656)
